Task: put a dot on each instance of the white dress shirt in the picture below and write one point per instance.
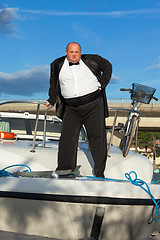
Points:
(77, 80)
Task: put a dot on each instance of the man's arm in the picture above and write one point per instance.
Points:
(53, 90)
(106, 71)
(54, 82)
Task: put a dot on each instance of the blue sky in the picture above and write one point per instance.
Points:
(34, 33)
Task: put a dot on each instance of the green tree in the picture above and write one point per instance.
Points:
(145, 139)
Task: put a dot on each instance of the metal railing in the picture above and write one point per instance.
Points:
(114, 124)
(38, 102)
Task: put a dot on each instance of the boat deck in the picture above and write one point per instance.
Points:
(18, 236)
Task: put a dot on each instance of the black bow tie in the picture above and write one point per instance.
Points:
(70, 63)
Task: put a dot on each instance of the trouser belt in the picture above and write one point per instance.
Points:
(88, 98)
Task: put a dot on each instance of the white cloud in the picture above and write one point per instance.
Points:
(29, 82)
(156, 65)
(153, 66)
(9, 15)
(115, 79)
(7, 18)
(110, 14)
(26, 82)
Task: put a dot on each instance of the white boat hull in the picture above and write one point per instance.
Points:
(72, 221)
(65, 209)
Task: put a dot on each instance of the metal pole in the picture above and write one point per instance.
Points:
(136, 144)
(154, 153)
(44, 132)
(97, 223)
(45, 126)
(113, 128)
(35, 129)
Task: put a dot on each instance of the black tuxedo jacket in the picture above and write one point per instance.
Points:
(100, 67)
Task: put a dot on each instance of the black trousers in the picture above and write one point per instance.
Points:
(92, 116)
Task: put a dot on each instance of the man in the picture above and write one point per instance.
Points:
(77, 86)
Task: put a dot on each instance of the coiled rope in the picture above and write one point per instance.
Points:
(132, 177)
(4, 173)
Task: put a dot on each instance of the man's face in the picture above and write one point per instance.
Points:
(73, 53)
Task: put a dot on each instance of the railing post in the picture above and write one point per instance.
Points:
(113, 128)
(45, 126)
(44, 130)
(35, 129)
(136, 144)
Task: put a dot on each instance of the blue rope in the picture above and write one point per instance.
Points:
(4, 173)
(132, 177)
(156, 182)
(106, 179)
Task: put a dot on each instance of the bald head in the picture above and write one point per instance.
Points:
(72, 43)
(73, 52)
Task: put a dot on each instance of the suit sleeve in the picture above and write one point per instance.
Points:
(53, 90)
(106, 71)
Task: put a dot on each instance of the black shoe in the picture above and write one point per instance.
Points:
(100, 175)
(69, 173)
